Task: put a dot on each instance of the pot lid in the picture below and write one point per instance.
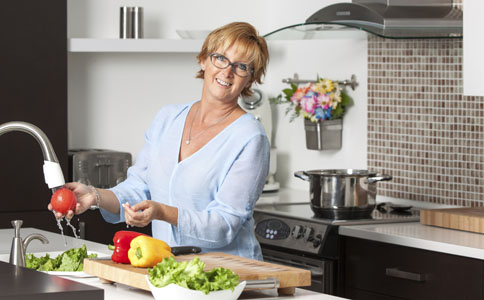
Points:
(342, 172)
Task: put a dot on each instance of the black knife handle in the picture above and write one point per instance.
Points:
(180, 250)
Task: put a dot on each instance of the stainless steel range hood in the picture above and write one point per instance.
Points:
(395, 18)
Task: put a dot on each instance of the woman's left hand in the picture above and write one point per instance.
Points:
(141, 214)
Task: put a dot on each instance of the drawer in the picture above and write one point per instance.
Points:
(410, 273)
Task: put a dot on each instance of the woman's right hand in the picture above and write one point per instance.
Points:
(85, 198)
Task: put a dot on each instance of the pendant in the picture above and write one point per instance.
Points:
(187, 142)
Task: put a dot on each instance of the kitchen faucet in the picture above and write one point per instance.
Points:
(52, 170)
(53, 177)
(19, 246)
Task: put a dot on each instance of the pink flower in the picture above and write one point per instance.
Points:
(323, 99)
(308, 104)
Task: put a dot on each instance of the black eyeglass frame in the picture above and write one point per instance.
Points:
(233, 64)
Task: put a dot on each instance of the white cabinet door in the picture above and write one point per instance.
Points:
(473, 44)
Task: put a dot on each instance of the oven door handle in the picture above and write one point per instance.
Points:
(315, 272)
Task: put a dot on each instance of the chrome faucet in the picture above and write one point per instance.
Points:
(19, 246)
(52, 170)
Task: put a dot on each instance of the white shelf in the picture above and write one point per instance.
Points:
(134, 45)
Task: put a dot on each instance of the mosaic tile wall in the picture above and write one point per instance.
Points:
(421, 129)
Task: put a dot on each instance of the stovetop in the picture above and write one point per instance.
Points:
(302, 211)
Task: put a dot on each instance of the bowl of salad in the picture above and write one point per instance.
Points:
(188, 280)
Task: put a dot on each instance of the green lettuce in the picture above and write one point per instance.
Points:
(68, 261)
(190, 274)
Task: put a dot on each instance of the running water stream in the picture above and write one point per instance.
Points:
(68, 221)
(74, 231)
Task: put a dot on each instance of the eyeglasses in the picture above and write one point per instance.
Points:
(222, 62)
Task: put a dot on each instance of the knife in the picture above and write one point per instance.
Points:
(177, 250)
(181, 250)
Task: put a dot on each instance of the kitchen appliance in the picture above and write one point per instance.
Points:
(98, 167)
(291, 234)
(395, 18)
(342, 194)
(259, 106)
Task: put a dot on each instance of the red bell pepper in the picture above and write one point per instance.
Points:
(122, 240)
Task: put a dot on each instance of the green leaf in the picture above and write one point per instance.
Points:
(70, 261)
(190, 274)
(337, 113)
(345, 99)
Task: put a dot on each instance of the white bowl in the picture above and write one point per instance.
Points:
(173, 291)
(193, 34)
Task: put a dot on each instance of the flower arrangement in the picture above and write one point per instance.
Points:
(321, 100)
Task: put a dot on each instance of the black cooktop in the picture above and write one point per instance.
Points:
(302, 211)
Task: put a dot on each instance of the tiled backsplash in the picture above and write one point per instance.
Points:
(421, 129)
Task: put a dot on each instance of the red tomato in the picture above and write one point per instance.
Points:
(63, 200)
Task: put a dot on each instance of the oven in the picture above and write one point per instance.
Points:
(290, 234)
(322, 270)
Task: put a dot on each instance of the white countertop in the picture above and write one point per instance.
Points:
(120, 291)
(420, 236)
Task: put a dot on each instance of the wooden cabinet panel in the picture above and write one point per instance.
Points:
(409, 273)
(33, 76)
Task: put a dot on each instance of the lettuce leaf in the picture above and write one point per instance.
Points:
(190, 274)
(68, 261)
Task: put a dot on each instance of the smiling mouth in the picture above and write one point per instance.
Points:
(223, 82)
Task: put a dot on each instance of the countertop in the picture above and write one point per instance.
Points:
(420, 236)
(119, 291)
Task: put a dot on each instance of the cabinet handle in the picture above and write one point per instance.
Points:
(394, 272)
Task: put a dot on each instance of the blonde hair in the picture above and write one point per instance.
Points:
(247, 40)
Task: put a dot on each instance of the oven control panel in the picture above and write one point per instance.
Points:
(289, 233)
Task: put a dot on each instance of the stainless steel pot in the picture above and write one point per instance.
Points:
(342, 194)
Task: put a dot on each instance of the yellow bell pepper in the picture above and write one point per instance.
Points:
(146, 252)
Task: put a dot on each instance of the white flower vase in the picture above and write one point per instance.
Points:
(323, 135)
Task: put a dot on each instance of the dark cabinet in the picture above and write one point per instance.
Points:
(33, 88)
(375, 270)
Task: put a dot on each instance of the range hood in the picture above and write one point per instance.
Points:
(395, 18)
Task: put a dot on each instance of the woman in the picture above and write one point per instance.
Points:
(204, 164)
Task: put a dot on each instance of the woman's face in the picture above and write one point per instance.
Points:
(224, 84)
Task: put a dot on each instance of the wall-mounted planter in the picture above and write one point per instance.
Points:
(324, 135)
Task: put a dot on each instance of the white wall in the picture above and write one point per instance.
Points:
(114, 96)
(331, 58)
(473, 44)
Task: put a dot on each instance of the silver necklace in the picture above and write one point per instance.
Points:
(198, 134)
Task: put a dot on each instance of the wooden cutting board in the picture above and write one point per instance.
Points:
(465, 218)
(247, 269)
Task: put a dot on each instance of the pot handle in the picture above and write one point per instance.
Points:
(379, 177)
(302, 175)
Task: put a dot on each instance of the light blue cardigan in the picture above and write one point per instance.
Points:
(214, 189)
